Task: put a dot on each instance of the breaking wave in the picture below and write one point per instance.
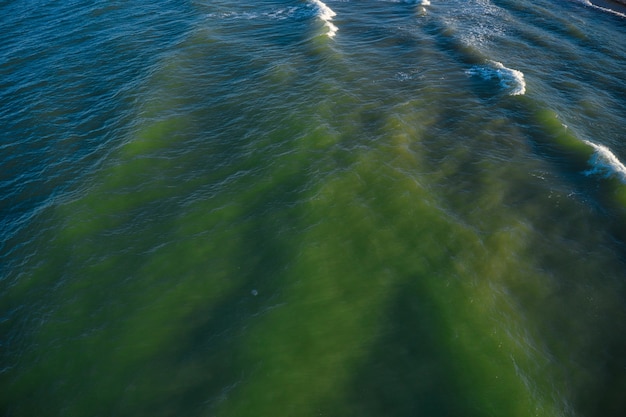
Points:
(604, 163)
(326, 14)
(510, 79)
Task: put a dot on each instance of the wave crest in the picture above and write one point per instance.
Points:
(326, 14)
(510, 79)
(605, 163)
(599, 6)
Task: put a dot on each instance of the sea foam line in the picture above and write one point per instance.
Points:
(326, 14)
(604, 9)
(605, 163)
(510, 79)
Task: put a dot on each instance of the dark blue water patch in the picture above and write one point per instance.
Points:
(71, 77)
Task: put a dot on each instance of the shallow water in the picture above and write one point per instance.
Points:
(301, 208)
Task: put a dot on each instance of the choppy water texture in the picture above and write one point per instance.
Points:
(306, 208)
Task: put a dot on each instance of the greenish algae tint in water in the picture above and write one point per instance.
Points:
(373, 223)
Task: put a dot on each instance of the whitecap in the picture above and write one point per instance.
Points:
(326, 14)
(604, 163)
(510, 79)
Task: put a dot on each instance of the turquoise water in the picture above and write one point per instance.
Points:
(305, 208)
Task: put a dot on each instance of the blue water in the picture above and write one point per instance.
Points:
(294, 208)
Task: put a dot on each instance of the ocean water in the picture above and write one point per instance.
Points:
(305, 208)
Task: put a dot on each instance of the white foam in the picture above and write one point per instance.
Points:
(510, 79)
(326, 14)
(234, 15)
(418, 2)
(282, 14)
(477, 23)
(605, 163)
(604, 9)
(315, 8)
(275, 14)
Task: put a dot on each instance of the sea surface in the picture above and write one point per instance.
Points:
(303, 208)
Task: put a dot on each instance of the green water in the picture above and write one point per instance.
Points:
(309, 232)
